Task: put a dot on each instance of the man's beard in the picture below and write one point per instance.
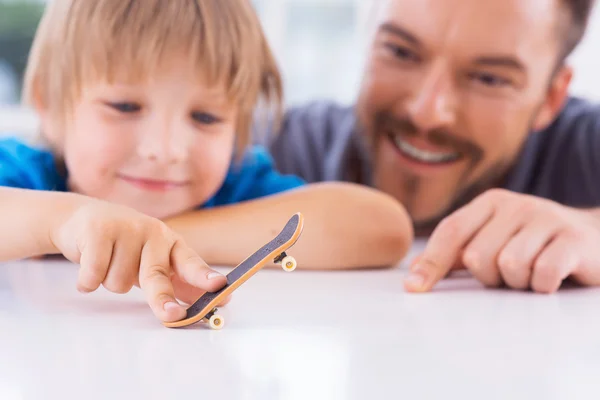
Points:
(491, 177)
(385, 124)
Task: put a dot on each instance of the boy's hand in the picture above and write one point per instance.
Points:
(513, 239)
(119, 248)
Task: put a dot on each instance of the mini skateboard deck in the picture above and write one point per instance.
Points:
(205, 307)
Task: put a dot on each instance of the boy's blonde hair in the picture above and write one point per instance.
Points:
(81, 40)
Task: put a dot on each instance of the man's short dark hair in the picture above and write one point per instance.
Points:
(576, 25)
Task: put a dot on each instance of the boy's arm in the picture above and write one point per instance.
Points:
(115, 246)
(346, 226)
(27, 219)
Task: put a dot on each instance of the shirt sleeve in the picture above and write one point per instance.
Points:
(253, 178)
(583, 163)
(25, 167)
(562, 162)
(311, 140)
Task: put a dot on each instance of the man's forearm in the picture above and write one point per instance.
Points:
(346, 226)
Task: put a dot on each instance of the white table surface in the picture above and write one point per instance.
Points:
(301, 335)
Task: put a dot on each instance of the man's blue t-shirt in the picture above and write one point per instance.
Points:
(26, 167)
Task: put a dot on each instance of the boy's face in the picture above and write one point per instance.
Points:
(162, 146)
(450, 92)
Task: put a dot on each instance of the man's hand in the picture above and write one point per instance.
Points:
(119, 248)
(517, 240)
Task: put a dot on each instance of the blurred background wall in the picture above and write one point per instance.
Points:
(320, 46)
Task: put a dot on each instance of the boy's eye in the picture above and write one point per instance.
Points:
(205, 118)
(126, 107)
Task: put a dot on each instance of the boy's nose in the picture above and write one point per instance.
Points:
(164, 149)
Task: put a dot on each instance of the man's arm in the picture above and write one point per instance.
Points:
(346, 226)
(511, 239)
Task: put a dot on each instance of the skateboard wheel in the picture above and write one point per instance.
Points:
(288, 263)
(216, 322)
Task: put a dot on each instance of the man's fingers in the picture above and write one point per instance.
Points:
(193, 270)
(481, 254)
(556, 262)
(446, 244)
(516, 260)
(414, 263)
(458, 265)
(156, 283)
(95, 259)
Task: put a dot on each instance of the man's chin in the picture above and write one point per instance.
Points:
(425, 224)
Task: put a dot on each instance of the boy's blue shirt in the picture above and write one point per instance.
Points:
(27, 167)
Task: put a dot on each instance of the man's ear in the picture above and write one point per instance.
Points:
(556, 97)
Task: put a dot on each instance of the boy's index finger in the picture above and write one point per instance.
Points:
(155, 281)
(192, 269)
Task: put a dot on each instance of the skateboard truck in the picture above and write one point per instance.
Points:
(215, 321)
(288, 263)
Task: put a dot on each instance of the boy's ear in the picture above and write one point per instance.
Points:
(37, 98)
(556, 96)
(39, 103)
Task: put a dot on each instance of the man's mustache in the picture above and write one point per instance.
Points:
(386, 122)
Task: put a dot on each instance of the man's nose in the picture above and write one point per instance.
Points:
(434, 100)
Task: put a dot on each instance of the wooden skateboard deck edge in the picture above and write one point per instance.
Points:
(238, 282)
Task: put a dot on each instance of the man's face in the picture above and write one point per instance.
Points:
(450, 92)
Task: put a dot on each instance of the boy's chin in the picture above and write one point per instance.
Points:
(158, 211)
(164, 214)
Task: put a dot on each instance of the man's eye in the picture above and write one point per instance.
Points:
(126, 107)
(490, 80)
(205, 118)
(402, 53)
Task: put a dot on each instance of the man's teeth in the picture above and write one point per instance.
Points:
(424, 155)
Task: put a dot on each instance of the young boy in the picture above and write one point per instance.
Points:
(148, 104)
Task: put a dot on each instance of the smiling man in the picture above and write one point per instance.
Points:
(464, 116)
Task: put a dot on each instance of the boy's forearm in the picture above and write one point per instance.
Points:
(595, 213)
(346, 226)
(27, 219)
